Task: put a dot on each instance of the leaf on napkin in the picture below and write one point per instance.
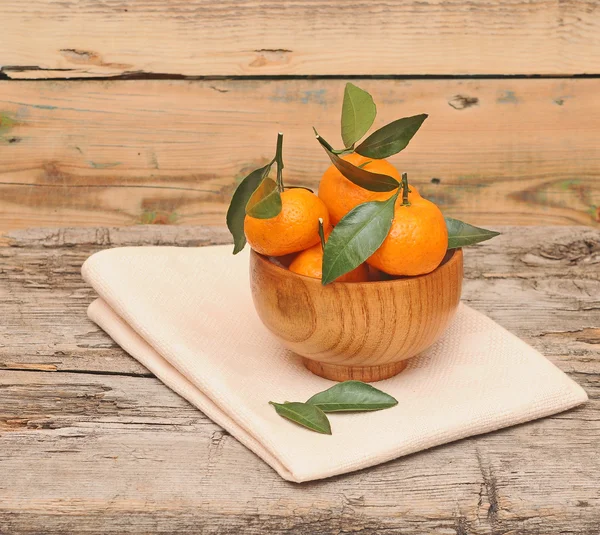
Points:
(352, 396)
(309, 416)
(391, 138)
(356, 237)
(461, 234)
(237, 209)
(358, 114)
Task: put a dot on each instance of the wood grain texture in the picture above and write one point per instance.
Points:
(99, 446)
(40, 276)
(360, 331)
(86, 38)
(172, 152)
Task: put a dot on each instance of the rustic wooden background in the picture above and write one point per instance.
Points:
(92, 444)
(121, 112)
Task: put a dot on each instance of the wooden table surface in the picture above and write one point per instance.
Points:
(91, 442)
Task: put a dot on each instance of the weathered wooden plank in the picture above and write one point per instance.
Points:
(241, 37)
(126, 455)
(140, 235)
(112, 450)
(127, 152)
(541, 283)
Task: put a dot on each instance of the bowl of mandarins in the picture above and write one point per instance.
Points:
(362, 276)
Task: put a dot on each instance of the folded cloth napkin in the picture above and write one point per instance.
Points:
(187, 315)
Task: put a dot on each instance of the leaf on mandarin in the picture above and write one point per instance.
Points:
(237, 208)
(361, 177)
(265, 202)
(358, 114)
(391, 138)
(356, 237)
(461, 234)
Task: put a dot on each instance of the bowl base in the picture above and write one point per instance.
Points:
(366, 374)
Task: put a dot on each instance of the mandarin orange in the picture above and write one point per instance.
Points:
(340, 195)
(417, 241)
(310, 263)
(294, 229)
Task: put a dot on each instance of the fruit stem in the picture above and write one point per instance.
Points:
(405, 190)
(322, 141)
(339, 152)
(322, 233)
(325, 144)
(279, 161)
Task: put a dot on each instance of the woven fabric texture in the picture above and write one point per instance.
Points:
(187, 315)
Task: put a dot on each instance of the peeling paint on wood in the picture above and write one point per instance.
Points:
(507, 97)
(6, 122)
(107, 165)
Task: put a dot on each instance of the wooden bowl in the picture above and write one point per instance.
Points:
(356, 330)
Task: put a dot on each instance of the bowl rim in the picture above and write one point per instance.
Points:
(455, 257)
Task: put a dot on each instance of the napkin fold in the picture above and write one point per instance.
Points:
(187, 315)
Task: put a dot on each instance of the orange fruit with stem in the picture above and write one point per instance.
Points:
(417, 241)
(310, 263)
(341, 195)
(294, 229)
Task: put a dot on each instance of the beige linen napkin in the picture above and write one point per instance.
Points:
(187, 315)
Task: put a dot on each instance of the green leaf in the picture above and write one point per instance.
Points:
(265, 202)
(358, 114)
(237, 208)
(391, 138)
(352, 396)
(306, 415)
(356, 237)
(361, 177)
(461, 234)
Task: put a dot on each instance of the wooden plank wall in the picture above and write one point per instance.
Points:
(123, 112)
